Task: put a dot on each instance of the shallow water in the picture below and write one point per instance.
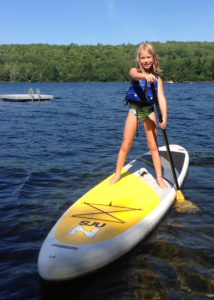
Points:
(52, 152)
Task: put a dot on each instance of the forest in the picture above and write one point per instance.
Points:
(179, 61)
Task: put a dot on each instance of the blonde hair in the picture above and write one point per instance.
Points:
(151, 50)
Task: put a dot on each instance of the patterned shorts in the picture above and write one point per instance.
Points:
(141, 112)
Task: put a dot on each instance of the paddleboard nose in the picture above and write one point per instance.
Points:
(57, 265)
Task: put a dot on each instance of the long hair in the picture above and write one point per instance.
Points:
(151, 50)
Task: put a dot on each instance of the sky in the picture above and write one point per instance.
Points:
(112, 22)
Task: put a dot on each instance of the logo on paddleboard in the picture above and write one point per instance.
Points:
(96, 224)
(88, 234)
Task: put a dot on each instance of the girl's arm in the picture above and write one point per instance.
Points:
(134, 74)
(162, 103)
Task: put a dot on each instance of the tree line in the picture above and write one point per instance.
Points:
(179, 61)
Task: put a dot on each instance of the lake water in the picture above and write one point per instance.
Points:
(52, 152)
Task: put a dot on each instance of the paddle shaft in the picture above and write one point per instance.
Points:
(164, 136)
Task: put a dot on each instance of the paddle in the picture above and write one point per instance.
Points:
(179, 197)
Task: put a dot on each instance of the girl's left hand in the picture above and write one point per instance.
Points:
(163, 125)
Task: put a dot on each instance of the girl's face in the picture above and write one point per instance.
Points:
(146, 61)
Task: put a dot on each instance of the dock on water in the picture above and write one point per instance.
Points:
(26, 97)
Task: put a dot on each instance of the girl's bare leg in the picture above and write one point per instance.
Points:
(128, 136)
(150, 127)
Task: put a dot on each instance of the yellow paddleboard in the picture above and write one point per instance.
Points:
(110, 219)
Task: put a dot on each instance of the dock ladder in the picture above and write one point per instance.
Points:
(38, 94)
(31, 94)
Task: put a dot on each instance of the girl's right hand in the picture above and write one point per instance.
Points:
(150, 77)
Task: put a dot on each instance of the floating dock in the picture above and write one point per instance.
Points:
(26, 97)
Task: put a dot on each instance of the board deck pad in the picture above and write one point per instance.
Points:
(112, 208)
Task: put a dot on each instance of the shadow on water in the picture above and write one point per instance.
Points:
(93, 286)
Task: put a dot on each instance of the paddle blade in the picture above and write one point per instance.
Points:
(180, 196)
(184, 206)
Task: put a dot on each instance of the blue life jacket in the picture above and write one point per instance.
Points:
(140, 93)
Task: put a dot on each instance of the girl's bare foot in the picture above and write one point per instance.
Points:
(114, 179)
(162, 184)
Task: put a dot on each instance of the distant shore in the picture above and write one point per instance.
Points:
(180, 62)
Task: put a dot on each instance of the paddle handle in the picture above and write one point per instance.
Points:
(165, 136)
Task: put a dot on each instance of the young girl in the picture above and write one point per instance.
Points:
(147, 68)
